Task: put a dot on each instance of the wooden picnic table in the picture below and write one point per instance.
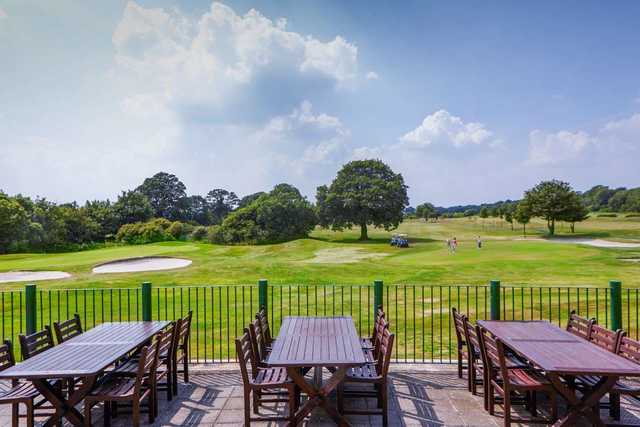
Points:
(561, 354)
(85, 357)
(319, 342)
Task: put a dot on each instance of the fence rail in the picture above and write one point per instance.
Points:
(419, 314)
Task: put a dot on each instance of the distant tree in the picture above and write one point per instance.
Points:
(508, 214)
(410, 212)
(220, 203)
(247, 200)
(165, 193)
(364, 192)
(426, 211)
(195, 209)
(551, 200)
(576, 212)
(102, 213)
(484, 213)
(522, 215)
(132, 206)
(14, 221)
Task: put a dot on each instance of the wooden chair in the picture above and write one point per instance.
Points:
(262, 380)
(118, 388)
(369, 342)
(579, 326)
(19, 392)
(630, 350)
(375, 374)
(461, 347)
(475, 360)
(266, 330)
(371, 355)
(506, 382)
(605, 338)
(36, 343)
(182, 351)
(166, 356)
(258, 342)
(68, 329)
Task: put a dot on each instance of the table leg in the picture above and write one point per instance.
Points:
(318, 395)
(65, 407)
(582, 406)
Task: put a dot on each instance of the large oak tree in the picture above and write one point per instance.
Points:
(365, 192)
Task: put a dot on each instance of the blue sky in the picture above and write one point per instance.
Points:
(470, 102)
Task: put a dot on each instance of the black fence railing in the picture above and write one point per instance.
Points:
(419, 314)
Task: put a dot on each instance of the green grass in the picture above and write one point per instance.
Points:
(505, 256)
(419, 314)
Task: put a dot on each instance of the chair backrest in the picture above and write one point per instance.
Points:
(185, 330)
(472, 340)
(168, 340)
(458, 321)
(245, 357)
(579, 326)
(383, 326)
(605, 338)
(629, 349)
(36, 343)
(491, 356)
(264, 323)
(386, 350)
(68, 329)
(6, 356)
(148, 364)
(257, 340)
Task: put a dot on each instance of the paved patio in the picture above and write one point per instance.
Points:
(420, 395)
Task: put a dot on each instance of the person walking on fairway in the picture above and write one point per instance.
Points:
(449, 245)
(454, 245)
(479, 242)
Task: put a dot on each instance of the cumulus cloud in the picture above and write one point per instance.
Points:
(443, 128)
(553, 148)
(372, 75)
(203, 60)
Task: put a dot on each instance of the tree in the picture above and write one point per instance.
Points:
(165, 193)
(13, 222)
(426, 211)
(103, 213)
(522, 215)
(484, 213)
(508, 214)
(576, 212)
(551, 200)
(364, 192)
(220, 203)
(132, 206)
(247, 200)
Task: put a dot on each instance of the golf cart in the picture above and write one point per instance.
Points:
(400, 240)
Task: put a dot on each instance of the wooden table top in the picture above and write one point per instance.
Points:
(558, 351)
(87, 354)
(317, 341)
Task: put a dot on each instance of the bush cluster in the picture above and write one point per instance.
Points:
(156, 230)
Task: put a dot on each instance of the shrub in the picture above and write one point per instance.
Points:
(199, 233)
(139, 233)
(177, 230)
(607, 215)
(214, 234)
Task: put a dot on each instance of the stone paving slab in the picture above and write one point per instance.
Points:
(420, 395)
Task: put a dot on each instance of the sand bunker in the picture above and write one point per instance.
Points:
(29, 276)
(598, 243)
(342, 256)
(132, 265)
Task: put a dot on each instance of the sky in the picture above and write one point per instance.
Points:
(472, 102)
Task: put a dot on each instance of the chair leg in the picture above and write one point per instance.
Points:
(175, 377)
(341, 398)
(492, 401)
(470, 375)
(30, 421)
(169, 382)
(257, 395)
(135, 413)
(292, 405)
(614, 406)
(534, 404)
(185, 363)
(247, 410)
(107, 414)
(507, 408)
(15, 415)
(87, 414)
(459, 364)
(554, 406)
(385, 414)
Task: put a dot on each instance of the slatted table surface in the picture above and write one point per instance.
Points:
(87, 354)
(317, 341)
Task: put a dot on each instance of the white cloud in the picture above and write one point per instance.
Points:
(372, 75)
(443, 128)
(553, 148)
(624, 132)
(202, 60)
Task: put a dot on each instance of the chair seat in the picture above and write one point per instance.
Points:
(113, 388)
(368, 355)
(21, 392)
(527, 379)
(365, 373)
(271, 377)
(622, 386)
(366, 343)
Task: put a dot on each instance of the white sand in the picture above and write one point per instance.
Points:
(598, 243)
(142, 264)
(342, 256)
(35, 276)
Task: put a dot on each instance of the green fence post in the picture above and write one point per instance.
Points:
(378, 291)
(146, 301)
(615, 289)
(263, 286)
(30, 308)
(495, 299)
